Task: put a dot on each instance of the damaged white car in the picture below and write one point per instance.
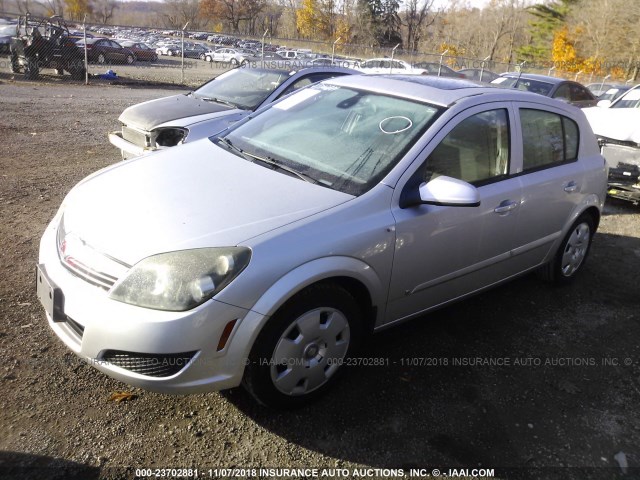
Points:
(231, 96)
(618, 132)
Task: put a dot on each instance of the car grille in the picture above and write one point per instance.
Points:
(149, 364)
(134, 136)
(86, 263)
(99, 279)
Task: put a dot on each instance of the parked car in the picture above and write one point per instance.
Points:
(610, 95)
(438, 69)
(170, 50)
(229, 97)
(618, 131)
(233, 56)
(386, 65)
(141, 50)
(263, 256)
(195, 50)
(479, 74)
(104, 50)
(7, 31)
(566, 90)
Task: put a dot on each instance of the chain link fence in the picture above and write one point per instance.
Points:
(34, 47)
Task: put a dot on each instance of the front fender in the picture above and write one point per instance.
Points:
(295, 281)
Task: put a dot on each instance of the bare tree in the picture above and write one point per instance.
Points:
(417, 16)
(176, 13)
(103, 10)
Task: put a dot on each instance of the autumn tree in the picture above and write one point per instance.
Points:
(76, 9)
(233, 12)
(548, 18)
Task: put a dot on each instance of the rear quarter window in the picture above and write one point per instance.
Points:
(549, 139)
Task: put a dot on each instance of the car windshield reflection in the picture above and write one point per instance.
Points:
(343, 138)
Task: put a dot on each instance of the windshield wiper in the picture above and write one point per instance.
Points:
(268, 160)
(218, 100)
(281, 166)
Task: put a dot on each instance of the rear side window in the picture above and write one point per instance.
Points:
(548, 139)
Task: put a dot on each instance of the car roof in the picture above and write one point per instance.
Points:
(442, 91)
(536, 76)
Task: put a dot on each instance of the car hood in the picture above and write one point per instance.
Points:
(149, 115)
(621, 124)
(192, 196)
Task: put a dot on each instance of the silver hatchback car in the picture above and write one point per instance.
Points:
(263, 256)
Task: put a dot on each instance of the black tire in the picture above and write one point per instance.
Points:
(77, 73)
(233, 63)
(301, 350)
(15, 65)
(572, 253)
(101, 59)
(202, 56)
(31, 69)
(130, 59)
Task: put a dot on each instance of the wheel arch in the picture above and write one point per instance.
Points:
(354, 275)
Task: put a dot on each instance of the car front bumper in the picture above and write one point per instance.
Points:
(167, 352)
(127, 148)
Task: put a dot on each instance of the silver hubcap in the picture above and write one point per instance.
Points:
(575, 250)
(310, 351)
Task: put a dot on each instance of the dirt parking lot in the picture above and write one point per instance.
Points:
(527, 379)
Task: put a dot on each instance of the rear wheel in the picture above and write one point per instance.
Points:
(101, 58)
(303, 347)
(130, 59)
(572, 253)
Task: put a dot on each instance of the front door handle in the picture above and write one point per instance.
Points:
(505, 207)
(571, 187)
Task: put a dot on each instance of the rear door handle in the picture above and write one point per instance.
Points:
(505, 207)
(571, 187)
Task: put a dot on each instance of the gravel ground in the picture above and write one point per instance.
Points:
(563, 403)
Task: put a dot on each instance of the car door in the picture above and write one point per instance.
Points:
(551, 179)
(117, 53)
(445, 252)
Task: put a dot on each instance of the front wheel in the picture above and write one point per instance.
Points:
(572, 253)
(130, 59)
(102, 59)
(303, 347)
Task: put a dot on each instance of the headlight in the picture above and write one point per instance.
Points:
(170, 137)
(179, 281)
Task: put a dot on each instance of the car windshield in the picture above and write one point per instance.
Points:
(631, 99)
(341, 138)
(245, 87)
(535, 86)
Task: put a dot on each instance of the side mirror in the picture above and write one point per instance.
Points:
(448, 191)
(604, 103)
